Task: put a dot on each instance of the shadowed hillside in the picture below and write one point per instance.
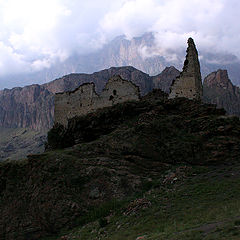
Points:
(113, 154)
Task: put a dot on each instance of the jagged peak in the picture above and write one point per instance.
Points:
(130, 68)
(170, 69)
(218, 78)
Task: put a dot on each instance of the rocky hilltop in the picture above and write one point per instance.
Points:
(218, 89)
(112, 154)
(33, 106)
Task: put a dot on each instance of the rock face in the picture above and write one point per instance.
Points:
(31, 106)
(218, 89)
(84, 99)
(164, 80)
(189, 83)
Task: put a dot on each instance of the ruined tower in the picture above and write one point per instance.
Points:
(84, 99)
(189, 83)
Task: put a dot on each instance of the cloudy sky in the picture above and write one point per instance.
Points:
(34, 34)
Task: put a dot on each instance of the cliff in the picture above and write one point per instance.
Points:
(218, 89)
(28, 107)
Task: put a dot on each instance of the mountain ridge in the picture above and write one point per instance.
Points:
(33, 106)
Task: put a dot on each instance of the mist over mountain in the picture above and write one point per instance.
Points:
(141, 52)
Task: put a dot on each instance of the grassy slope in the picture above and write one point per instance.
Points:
(203, 205)
(16, 143)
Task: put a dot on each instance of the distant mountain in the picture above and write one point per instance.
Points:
(218, 89)
(139, 52)
(72, 81)
(165, 78)
(33, 106)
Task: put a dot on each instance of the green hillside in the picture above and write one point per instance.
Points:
(185, 203)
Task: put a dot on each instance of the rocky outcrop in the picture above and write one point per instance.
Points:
(164, 80)
(218, 89)
(189, 83)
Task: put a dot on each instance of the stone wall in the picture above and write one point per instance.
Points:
(84, 99)
(189, 83)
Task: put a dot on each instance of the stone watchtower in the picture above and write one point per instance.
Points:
(189, 83)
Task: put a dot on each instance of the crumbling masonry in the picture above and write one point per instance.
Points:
(84, 99)
(189, 83)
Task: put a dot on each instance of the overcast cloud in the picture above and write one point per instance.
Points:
(34, 34)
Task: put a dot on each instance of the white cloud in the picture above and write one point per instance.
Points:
(26, 34)
(34, 34)
(10, 61)
(213, 24)
(133, 18)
